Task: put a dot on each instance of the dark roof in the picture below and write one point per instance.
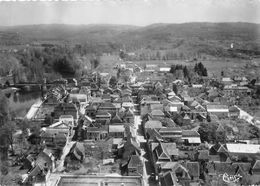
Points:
(42, 159)
(220, 128)
(193, 168)
(233, 109)
(78, 150)
(243, 165)
(129, 113)
(106, 105)
(203, 155)
(154, 134)
(168, 179)
(134, 162)
(190, 133)
(224, 167)
(101, 112)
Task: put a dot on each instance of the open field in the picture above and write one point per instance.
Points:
(214, 66)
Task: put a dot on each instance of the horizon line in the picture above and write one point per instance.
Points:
(114, 24)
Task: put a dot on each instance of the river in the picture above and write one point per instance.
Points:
(20, 102)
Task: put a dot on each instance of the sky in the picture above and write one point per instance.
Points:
(128, 12)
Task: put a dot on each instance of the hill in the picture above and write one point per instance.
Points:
(188, 38)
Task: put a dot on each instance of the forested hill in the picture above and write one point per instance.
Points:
(157, 36)
(78, 47)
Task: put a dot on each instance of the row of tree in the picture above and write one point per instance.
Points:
(200, 69)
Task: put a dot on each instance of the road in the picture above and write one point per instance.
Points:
(245, 116)
(147, 168)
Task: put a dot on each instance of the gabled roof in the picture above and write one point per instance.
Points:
(106, 105)
(193, 168)
(154, 134)
(220, 128)
(78, 150)
(157, 113)
(116, 119)
(186, 117)
(103, 113)
(233, 109)
(129, 113)
(168, 165)
(243, 165)
(170, 149)
(168, 179)
(42, 160)
(170, 129)
(153, 124)
(224, 167)
(134, 162)
(156, 107)
(256, 165)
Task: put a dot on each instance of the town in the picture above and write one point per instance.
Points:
(140, 125)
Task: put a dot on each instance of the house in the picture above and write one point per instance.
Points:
(186, 119)
(153, 135)
(169, 179)
(107, 107)
(90, 111)
(226, 81)
(256, 167)
(157, 114)
(95, 133)
(77, 152)
(116, 131)
(56, 134)
(81, 100)
(116, 119)
(171, 133)
(193, 169)
(129, 116)
(42, 165)
(243, 149)
(103, 115)
(178, 176)
(66, 109)
(165, 152)
(221, 111)
(218, 152)
(67, 119)
(152, 124)
(203, 155)
(234, 112)
(191, 137)
(135, 166)
(129, 149)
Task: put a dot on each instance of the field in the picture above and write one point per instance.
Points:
(214, 66)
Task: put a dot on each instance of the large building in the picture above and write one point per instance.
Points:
(93, 180)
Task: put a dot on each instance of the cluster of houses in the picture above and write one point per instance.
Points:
(81, 117)
(89, 112)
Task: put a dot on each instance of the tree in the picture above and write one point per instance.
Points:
(207, 132)
(7, 132)
(185, 72)
(175, 89)
(113, 81)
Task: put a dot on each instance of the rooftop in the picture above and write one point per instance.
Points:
(93, 180)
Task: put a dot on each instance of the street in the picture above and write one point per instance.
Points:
(147, 166)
